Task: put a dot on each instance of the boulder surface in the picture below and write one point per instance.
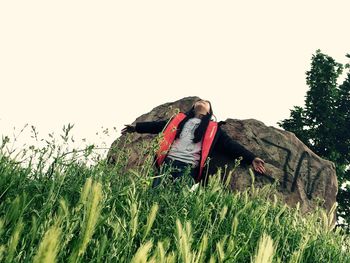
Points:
(302, 176)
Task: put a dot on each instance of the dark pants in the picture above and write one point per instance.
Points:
(176, 168)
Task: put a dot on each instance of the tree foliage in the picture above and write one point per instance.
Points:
(323, 124)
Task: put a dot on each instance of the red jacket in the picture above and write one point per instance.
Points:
(169, 137)
(214, 139)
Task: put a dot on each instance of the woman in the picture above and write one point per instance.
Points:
(188, 140)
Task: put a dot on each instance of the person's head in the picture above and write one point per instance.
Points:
(201, 109)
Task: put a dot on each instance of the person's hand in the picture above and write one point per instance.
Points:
(258, 165)
(128, 129)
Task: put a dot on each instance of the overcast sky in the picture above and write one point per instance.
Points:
(104, 63)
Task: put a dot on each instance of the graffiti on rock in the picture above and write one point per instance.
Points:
(303, 170)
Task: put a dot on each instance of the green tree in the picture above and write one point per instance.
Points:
(323, 124)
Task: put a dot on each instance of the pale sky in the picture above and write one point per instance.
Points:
(104, 63)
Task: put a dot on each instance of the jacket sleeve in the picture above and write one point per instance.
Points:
(153, 127)
(232, 148)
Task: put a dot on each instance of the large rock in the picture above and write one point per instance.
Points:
(303, 176)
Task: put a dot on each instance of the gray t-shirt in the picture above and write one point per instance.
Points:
(183, 148)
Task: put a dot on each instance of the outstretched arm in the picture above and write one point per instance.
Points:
(235, 149)
(153, 127)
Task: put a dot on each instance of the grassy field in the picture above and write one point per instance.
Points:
(70, 206)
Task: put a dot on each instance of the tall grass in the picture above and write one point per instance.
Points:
(71, 206)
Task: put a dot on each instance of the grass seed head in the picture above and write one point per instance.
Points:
(150, 219)
(265, 250)
(48, 247)
(141, 254)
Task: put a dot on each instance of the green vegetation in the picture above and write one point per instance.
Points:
(323, 123)
(57, 206)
